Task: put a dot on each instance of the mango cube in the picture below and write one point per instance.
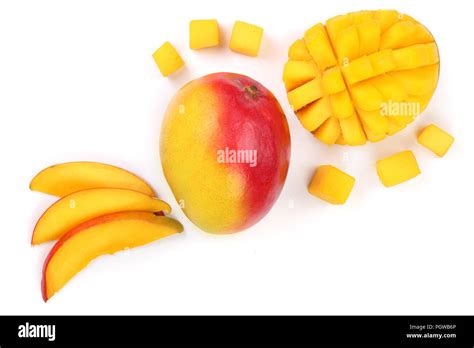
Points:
(203, 33)
(298, 51)
(305, 94)
(435, 139)
(246, 38)
(167, 59)
(331, 184)
(329, 132)
(398, 168)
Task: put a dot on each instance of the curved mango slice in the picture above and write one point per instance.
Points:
(103, 235)
(85, 205)
(66, 178)
(375, 70)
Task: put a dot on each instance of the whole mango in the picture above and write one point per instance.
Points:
(225, 151)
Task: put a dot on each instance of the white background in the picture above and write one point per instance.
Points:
(77, 82)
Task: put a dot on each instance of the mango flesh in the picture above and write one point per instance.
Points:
(85, 205)
(397, 168)
(101, 236)
(331, 184)
(203, 33)
(167, 59)
(66, 178)
(225, 150)
(246, 38)
(435, 139)
(376, 71)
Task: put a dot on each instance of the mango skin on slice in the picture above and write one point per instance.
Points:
(361, 76)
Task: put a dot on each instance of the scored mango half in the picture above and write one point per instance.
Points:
(361, 76)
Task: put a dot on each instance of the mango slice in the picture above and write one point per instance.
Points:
(66, 178)
(298, 72)
(397, 168)
(435, 139)
(331, 184)
(379, 68)
(167, 59)
(82, 206)
(246, 38)
(101, 236)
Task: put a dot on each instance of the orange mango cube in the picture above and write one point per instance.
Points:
(331, 184)
(397, 168)
(246, 38)
(435, 139)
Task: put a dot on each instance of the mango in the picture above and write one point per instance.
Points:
(103, 235)
(298, 72)
(203, 33)
(225, 151)
(314, 115)
(329, 132)
(397, 168)
(331, 184)
(379, 68)
(299, 51)
(305, 94)
(167, 59)
(435, 139)
(246, 38)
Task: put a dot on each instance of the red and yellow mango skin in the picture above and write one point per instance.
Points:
(207, 116)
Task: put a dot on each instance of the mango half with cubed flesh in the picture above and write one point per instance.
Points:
(361, 76)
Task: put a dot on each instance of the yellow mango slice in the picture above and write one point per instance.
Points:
(397, 168)
(435, 139)
(329, 131)
(203, 33)
(352, 130)
(246, 38)
(341, 104)
(314, 115)
(305, 94)
(298, 51)
(298, 72)
(331, 184)
(167, 59)
(370, 65)
(319, 46)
